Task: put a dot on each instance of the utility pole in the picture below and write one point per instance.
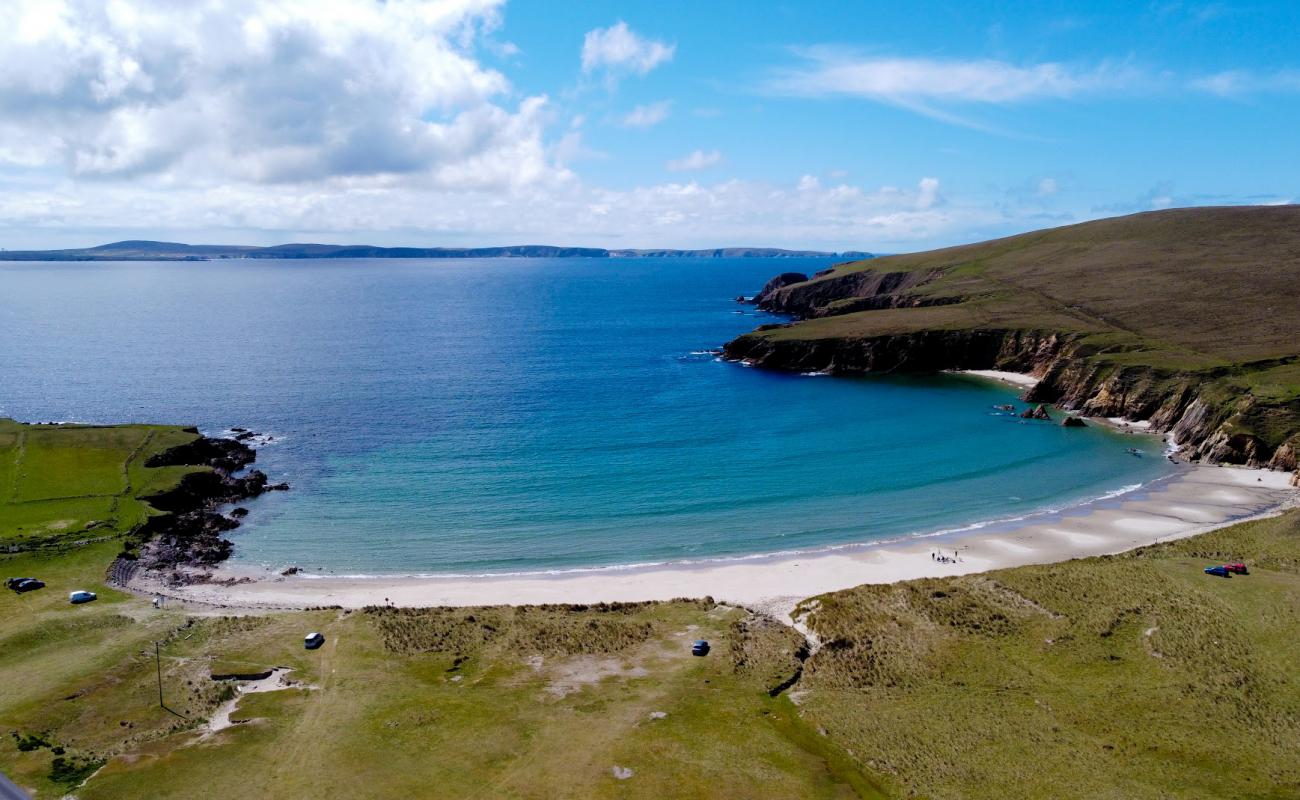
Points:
(157, 655)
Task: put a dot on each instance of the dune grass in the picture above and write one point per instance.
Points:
(1130, 676)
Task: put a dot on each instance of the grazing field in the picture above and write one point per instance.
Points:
(61, 483)
(1128, 676)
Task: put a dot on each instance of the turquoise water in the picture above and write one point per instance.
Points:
(526, 414)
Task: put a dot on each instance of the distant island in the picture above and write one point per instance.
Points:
(138, 250)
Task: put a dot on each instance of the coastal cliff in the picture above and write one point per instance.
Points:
(989, 306)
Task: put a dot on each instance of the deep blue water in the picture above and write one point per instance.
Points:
(519, 414)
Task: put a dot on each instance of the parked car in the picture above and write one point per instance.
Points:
(21, 585)
(81, 596)
(1220, 571)
(700, 648)
(1238, 568)
(313, 640)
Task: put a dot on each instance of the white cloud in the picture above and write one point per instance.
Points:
(905, 80)
(806, 213)
(619, 48)
(648, 115)
(695, 161)
(927, 195)
(1048, 187)
(1240, 82)
(263, 92)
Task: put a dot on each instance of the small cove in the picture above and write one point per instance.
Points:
(493, 415)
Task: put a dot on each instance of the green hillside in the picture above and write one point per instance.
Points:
(1137, 316)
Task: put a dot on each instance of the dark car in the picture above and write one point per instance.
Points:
(700, 648)
(313, 640)
(1222, 572)
(21, 585)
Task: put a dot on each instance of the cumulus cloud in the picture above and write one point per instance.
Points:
(647, 115)
(698, 159)
(620, 49)
(927, 195)
(264, 92)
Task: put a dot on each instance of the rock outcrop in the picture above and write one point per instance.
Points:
(190, 530)
(1037, 412)
(865, 290)
(1072, 422)
(776, 284)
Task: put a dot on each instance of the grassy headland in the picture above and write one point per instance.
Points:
(1185, 317)
(1133, 676)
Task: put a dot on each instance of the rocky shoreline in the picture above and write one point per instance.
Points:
(190, 532)
(1203, 421)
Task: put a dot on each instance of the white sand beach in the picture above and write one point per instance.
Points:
(1021, 379)
(1193, 500)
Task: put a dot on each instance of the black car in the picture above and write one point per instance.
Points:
(700, 648)
(21, 585)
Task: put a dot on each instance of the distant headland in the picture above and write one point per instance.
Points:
(137, 250)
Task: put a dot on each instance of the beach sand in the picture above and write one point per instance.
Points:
(1193, 500)
(1021, 379)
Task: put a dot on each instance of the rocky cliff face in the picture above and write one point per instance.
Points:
(1203, 420)
(843, 294)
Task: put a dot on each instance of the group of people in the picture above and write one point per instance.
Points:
(937, 555)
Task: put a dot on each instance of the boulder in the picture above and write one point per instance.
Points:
(1073, 422)
(1037, 412)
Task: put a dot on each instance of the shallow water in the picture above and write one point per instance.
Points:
(522, 414)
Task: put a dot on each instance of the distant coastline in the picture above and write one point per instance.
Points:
(139, 250)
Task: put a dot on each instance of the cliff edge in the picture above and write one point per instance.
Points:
(1188, 319)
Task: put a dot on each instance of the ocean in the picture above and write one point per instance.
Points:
(504, 415)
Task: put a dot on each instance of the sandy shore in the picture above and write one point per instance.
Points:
(1193, 500)
(1021, 379)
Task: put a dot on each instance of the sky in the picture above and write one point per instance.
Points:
(885, 127)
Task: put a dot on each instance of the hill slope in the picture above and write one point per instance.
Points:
(1186, 318)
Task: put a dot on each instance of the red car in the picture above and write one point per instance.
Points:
(1238, 568)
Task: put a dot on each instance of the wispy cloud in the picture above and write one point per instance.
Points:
(697, 160)
(1234, 83)
(647, 115)
(934, 86)
(619, 48)
(830, 72)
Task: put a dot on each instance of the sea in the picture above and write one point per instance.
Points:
(518, 415)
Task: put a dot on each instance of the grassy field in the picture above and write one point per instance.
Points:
(62, 483)
(1131, 676)
(1135, 676)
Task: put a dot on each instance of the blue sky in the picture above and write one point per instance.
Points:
(835, 125)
